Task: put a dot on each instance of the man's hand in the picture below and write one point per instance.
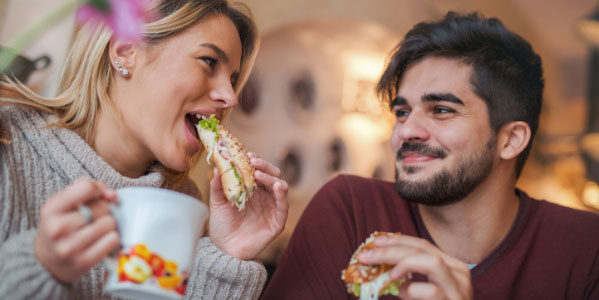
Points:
(448, 277)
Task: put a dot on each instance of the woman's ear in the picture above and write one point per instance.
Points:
(122, 56)
(513, 139)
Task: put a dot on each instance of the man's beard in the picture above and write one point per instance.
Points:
(446, 187)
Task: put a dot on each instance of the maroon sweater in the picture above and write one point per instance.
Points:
(550, 252)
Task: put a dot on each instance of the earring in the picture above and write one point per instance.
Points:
(124, 71)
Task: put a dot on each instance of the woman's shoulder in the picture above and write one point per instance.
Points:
(9, 115)
(13, 114)
(16, 118)
(7, 109)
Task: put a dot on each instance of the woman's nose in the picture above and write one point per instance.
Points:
(224, 94)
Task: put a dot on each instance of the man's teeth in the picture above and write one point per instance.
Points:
(201, 117)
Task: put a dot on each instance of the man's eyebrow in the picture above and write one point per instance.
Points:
(219, 52)
(397, 101)
(442, 97)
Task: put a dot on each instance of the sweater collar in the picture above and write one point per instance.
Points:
(69, 155)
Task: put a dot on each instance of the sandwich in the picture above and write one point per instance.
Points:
(230, 157)
(370, 281)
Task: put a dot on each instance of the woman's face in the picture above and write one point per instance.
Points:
(190, 73)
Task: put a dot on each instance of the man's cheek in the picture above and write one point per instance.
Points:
(395, 141)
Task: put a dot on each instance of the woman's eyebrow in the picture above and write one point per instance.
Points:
(219, 52)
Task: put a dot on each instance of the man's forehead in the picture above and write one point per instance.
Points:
(435, 75)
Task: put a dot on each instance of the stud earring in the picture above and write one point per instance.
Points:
(124, 71)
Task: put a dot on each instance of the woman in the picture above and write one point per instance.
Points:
(121, 119)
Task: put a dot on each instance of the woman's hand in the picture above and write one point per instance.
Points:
(244, 234)
(66, 244)
(448, 277)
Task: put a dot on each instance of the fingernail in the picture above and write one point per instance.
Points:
(380, 240)
(254, 160)
(110, 192)
(365, 254)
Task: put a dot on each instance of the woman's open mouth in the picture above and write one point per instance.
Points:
(191, 120)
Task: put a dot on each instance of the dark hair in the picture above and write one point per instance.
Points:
(507, 73)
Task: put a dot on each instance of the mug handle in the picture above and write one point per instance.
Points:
(111, 260)
(116, 213)
(45, 61)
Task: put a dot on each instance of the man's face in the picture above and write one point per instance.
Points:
(445, 147)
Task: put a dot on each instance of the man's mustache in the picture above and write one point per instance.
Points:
(420, 148)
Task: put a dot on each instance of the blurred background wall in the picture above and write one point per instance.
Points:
(310, 108)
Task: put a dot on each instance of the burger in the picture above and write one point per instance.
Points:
(370, 281)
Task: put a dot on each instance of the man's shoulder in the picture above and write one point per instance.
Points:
(356, 193)
(582, 217)
(566, 219)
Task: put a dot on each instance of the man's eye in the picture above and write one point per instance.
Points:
(211, 62)
(400, 113)
(443, 110)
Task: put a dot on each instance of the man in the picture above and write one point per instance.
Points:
(467, 95)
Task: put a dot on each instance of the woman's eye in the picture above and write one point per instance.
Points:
(211, 62)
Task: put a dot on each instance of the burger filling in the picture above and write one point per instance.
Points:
(373, 289)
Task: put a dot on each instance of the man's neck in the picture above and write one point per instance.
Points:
(471, 228)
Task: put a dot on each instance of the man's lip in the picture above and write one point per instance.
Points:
(413, 157)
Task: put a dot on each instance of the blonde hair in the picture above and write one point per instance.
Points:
(87, 74)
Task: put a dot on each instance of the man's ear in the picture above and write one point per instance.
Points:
(513, 139)
(123, 52)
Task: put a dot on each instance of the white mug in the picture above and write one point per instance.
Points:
(159, 232)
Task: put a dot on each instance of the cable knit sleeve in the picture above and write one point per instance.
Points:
(18, 264)
(217, 275)
(22, 276)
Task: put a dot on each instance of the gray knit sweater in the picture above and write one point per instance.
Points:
(39, 163)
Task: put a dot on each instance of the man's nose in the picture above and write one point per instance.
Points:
(223, 94)
(414, 128)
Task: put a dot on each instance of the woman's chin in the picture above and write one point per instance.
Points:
(179, 165)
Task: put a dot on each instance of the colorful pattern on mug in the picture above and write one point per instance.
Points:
(138, 265)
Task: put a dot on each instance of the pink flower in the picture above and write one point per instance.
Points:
(126, 18)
